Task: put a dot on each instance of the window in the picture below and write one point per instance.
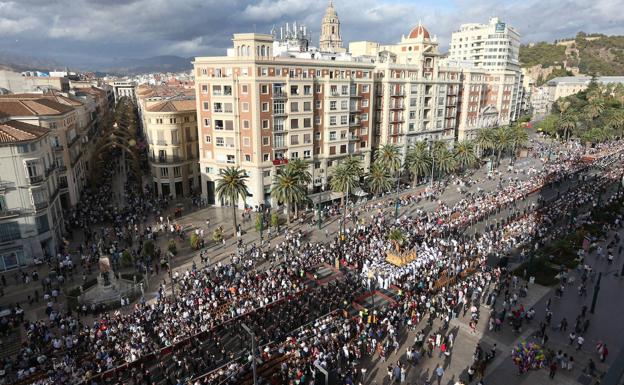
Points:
(246, 124)
(164, 172)
(247, 158)
(244, 89)
(332, 120)
(206, 122)
(294, 154)
(264, 71)
(364, 116)
(332, 150)
(246, 142)
(42, 224)
(216, 90)
(317, 119)
(307, 123)
(217, 107)
(345, 90)
(317, 136)
(307, 138)
(219, 124)
(307, 106)
(344, 105)
(317, 104)
(9, 231)
(245, 107)
(265, 140)
(206, 106)
(177, 171)
(204, 88)
(294, 139)
(231, 159)
(266, 157)
(343, 149)
(265, 124)
(306, 154)
(219, 142)
(318, 88)
(332, 105)
(365, 88)
(344, 120)
(208, 139)
(265, 107)
(307, 90)
(332, 135)
(294, 107)
(294, 90)
(294, 123)
(264, 89)
(364, 102)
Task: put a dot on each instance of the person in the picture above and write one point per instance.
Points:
(579, 342)
(439, 371)
(553, 370)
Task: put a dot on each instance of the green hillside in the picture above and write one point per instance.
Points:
(602, 56)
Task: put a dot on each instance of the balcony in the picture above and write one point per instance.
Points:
(170, 159)
(10, 213)
(57, 147)
(396, 106)
(50, 169)
(74, 140)
(279, 95)
(354, 137)
(280, 162)
(63, 184)
(40, 205)
(397, 93)
(37, 179)
(62, 168)
(279, 113)
(355, 123)
(5, 185)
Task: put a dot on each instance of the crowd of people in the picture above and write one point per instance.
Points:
(70, 350)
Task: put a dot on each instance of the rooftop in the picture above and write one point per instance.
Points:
(173, 106)
(13, 131)
(16, 105)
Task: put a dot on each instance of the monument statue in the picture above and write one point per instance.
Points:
(104, 266)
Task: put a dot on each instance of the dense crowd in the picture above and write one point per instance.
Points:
(71, 350)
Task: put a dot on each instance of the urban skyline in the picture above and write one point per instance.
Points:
(93, 33)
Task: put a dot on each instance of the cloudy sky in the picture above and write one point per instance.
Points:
(95, 31)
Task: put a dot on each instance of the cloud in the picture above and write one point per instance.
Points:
(99, 30)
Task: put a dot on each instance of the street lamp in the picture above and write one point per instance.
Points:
(595, 297)
(253, 351)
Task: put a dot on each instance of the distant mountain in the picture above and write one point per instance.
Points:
(597, 54)
(130, 66)
(19, 63)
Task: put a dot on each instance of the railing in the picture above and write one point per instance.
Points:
(40, 205)
(5, 184)
(50, 169)
(35, 179)
(279, 112)
(74, 140)
(166, 159)
(62, 168)
(279, 95)
(161, 142)
(57, 147)
(62, 184)
(10, 213)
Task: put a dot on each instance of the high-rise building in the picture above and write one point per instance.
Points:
(494, 48)
(31, 219)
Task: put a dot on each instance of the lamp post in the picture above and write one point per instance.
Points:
(396, 206)
(595, 297)
(253, 351)
(318, 211)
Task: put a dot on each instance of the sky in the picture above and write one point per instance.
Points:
(90, 32)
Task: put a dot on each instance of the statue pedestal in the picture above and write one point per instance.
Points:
(106, 290)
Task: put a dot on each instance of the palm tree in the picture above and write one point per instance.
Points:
(445, 161)
(567, 124)
(615, 120)
(501, 142)
(465, 154)
(397, 237)
(353, 164)
(343, 180)
(519, 138)
(418, 160)
(231, 185)
(287, 189)
(303, 176)
(379, 179)
(484, 140)
(390, 156)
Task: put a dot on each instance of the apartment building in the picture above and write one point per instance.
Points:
(257, 111)
(31, 219)
(493, 47)
(64, 117)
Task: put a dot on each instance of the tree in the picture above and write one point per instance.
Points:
(485, 140)
(445, 161)
(389, 156)
(353, 164)
(303, 177)
(172, 247)
(418, 160)
(343, 180)
(518, 138)
(566, 124)
(397, 237)
(286, 189)
(501, 142)
(148, 249)
(379, 179)
(465, 154)
(231, 185)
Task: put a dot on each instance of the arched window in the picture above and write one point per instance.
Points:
(262, 53)
(333, 30)
(238, 51)
(248, 51)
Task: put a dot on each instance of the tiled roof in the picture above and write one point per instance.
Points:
(173, 106)
(13, 131)
(52, 95)
(27, 106)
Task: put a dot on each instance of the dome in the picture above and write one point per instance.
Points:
(419, 31)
